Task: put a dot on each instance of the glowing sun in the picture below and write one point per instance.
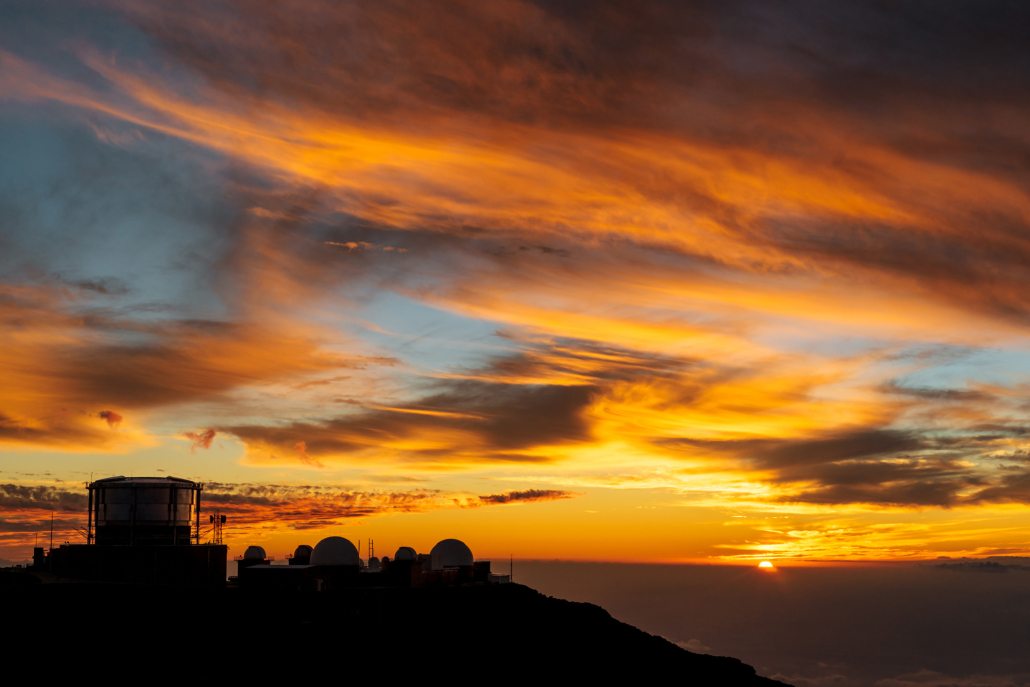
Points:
(767, 566)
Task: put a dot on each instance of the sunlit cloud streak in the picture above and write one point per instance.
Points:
(251, 507)
(526, 495)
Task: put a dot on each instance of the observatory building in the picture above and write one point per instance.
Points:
(301, 555)
(146, 530)
(141, 530)
(125, 511)
(334, 563)
(450, 553)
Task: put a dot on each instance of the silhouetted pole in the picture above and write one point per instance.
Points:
(51, 531)
(89, 512)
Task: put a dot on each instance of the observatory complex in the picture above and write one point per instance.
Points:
(334, 563)
(147, 530)
(141, 530)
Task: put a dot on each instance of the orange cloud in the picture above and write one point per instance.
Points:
(112, 418)
(58, 364)
(201, 439)
(746, 208)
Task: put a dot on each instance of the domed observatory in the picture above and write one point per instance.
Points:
(335, 551)
(337, 563)
(254, 555)
(301, 555)
(403, 569)
(405, 553)
(450, 553)
(451, 561)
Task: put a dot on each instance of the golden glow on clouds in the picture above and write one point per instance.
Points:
(704, 301)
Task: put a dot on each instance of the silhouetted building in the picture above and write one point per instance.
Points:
(301, 555)
(143, 510)
(334, 564)
(142, 530)
(146, 530)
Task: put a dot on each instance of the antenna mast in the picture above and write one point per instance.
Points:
(217, 520)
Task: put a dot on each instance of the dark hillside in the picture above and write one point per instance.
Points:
(508, 630)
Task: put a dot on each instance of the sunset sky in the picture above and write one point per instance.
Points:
(630, 281)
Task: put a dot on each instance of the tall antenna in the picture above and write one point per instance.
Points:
(51, 531)
(217, 520)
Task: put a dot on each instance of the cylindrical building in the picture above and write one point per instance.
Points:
(143, 510)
